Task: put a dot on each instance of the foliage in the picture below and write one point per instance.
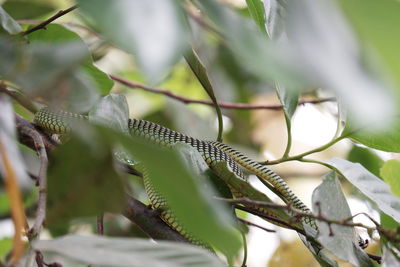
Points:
(88, 58)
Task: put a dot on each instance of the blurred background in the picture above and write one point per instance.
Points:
(340, 61)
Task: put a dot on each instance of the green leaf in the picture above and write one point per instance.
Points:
(201, 73)
(59, 34)
(111, 111)
(210, 223)
(35, 68)
(328, 54)
(390, 174)
(289, 99)
(379, 37)
(343, 242)
(257, 12)
(153, 31)
(82, 180)
(369, 185)
(6, 245)
(259, 55)
(8, 24)
(366, 157)
(387, 139)
(4, 204)
(82, 251)
(25, 9)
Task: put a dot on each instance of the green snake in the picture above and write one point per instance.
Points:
(211, 151)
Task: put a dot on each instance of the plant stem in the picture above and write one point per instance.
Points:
(302, 155)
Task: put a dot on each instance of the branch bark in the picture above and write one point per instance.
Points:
(225, 105)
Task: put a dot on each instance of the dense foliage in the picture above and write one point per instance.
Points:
(224, 64)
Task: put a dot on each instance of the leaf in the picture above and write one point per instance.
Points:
(257, 12)
(366, 157)
(201, 73)
(8, 140)
(276, 16)
(390, 174)
(289, 99)
(5, 247)
(339, 239)
(386, 139)
(8, 24)
(211, 223)
(379, 38)
(323, 44)
(153, 31)
(25, 9)
(108, 251)
(35, 68)
(111, 111)
(264, 58)
(59, 34)
(370, 185)
(82, 180)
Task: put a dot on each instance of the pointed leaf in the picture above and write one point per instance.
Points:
(257, 12)
(8, 24)
(111, 111)
(25, 9)
(366, 157)
(58, 34)
(201, 73)
(390, 174)
(340, 240)
(370, 185)
(153, 31)
(385, 138)
(380, 37)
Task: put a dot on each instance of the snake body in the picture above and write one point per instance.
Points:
(211, 151)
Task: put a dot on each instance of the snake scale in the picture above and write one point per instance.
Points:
(211, 151)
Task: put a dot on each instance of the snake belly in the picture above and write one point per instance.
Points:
(212, 152)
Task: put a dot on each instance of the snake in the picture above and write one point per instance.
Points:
(213, 152)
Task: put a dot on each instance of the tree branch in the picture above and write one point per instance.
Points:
(225, 105)
(41, 180)
(49, 20)
(149, 221)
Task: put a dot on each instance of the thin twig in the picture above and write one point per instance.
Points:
(196, 16)
(256, 225)
(100, 224)
(270, 218)
(49, 20)
(225, 105)
(41, 181)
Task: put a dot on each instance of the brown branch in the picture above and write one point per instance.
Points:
(41, 180)
(256, 225)
(149, 221)
(100, 224)
(270, 218)
(49, 20)
(225, 105)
